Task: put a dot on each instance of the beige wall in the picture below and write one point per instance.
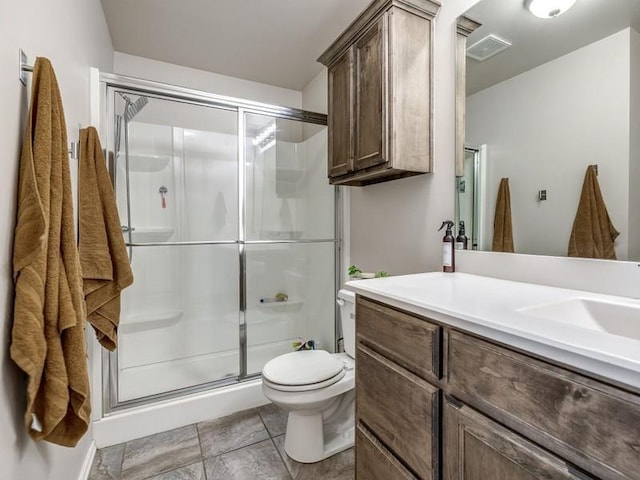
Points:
(74, 36)
(157, 71)
(314, 94)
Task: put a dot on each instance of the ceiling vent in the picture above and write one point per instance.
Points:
(487, 47)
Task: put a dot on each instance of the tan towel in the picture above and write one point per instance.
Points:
(593, 233)
(48, 326)
(105, 265)
(502, 229)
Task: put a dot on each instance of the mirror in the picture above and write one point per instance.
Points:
(551, 97)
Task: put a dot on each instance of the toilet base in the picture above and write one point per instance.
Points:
(313, 436)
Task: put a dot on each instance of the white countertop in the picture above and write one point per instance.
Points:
(490, 307)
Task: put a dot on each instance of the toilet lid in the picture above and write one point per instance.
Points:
(302, 368)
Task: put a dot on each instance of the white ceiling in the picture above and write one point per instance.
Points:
(536, 41)
(275, 42)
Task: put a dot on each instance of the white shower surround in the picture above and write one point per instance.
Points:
(179, 325)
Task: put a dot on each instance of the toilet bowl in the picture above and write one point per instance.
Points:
(316, 388)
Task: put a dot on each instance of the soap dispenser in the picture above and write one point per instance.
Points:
(448, 258)
(462, 241)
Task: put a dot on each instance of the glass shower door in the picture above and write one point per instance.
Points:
(289, 238)
(176, 172)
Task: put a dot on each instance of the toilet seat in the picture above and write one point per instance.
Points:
(304, 388)
(303, 371)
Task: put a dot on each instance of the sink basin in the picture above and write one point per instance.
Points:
(614, 318)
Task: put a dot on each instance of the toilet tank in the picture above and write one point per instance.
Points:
(347, 302)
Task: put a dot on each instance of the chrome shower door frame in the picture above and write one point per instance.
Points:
(112, 84)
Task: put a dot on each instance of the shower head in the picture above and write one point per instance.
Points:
(133, 108)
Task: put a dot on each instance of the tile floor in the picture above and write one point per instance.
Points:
(247, 445)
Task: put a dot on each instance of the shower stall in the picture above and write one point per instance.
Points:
(225, 209)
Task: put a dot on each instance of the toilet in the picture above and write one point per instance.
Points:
(317, 389)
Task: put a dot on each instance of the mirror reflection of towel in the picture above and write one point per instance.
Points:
(502, 228)
(593, 233)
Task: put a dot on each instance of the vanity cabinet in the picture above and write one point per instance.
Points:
(379, 105)
(426, 391)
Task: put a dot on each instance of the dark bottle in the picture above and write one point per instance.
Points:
(462, 241)
(448, 255)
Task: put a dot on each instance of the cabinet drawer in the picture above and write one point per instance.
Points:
(374, 462)
(593, 425)
(494, 452)
(401, 409)
(407, 340)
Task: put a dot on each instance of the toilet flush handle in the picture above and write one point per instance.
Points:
(340, 302)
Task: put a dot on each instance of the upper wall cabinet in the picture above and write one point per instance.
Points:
(380, 94)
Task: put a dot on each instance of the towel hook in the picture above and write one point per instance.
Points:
(595, 167)
(73, 150)
(24, 67)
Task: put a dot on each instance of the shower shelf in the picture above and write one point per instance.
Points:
(144, 162)
(151, 234)
(289, 175)
(146, 321)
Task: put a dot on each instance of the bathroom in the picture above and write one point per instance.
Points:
(389, 226)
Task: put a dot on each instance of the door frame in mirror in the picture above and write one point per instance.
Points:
(465, 26)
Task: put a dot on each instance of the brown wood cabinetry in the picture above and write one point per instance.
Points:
(410, 342)
(592, 424)
(494, 413)
(478, 448)
(369, 104)
(401, 409)
(374, 461)
(341, 116)
(379, 73)
(397, 397)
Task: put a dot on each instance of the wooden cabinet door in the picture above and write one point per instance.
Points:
(591, 424)
(476, 448)
(340, 119)
(370, 107)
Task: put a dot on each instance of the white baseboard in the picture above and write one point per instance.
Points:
(88, 461)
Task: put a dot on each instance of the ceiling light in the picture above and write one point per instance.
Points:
(548, 8)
